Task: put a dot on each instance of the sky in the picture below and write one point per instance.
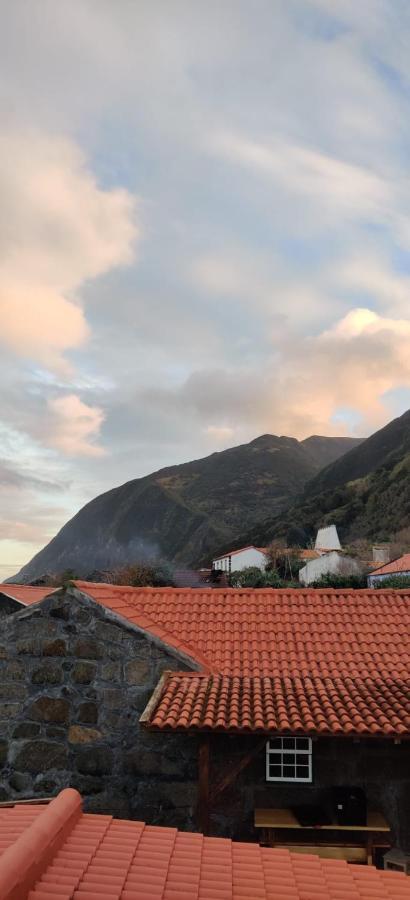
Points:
(204, 236)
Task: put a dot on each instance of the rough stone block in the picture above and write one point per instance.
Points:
(81, 734)
(26, 730)
(60, 610)
(48, 673)
(40, 756)
(50, 709)
(113, 699)
(19, 782)
(13, 670)
(88, 713)
(9, 710)
(84, 672)
(111, 671)
(94, 760)
(87, 784)
(137, 671)
(145, 762)
(57, 647)
(45, 786)
(27, 646)
(88, 648)
(56, 733)
(3, 652)
(12, 692)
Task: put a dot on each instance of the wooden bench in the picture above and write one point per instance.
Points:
(335, 840)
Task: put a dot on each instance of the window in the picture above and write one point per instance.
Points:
(289, 759)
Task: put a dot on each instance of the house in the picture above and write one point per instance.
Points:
(398, 568)
(236, 560)
(327, 539)
(15, 596)
(56, 850)
(177, 706)
(330, 563)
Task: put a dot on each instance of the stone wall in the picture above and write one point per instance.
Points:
(8, 606)
(74, 680)
(379, 766)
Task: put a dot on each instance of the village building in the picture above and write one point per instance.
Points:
(204, 709)
(237, 560)
(398, 568)
(330, 563)
(57, 852)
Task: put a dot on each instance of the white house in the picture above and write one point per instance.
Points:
(398, 568)
(332, 563)
(236, 560)
(327, 539)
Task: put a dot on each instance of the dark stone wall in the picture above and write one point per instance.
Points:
(8, 606)
(379, 766)
(74, 681)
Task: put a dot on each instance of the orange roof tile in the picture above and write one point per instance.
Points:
(26, 594)
(325, 706)
(60, 853)
(341, 658)
(395, 567)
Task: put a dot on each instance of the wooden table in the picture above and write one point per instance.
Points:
(272, 822)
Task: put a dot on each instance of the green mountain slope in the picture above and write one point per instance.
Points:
(183, 513)
(366, 493)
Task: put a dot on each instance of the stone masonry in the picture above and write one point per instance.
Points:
(74, 680)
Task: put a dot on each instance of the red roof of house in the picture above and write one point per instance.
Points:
(24, 593)
(313, 661)
(395, 567)
(57, 852)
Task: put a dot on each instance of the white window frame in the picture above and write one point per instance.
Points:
(280, 752)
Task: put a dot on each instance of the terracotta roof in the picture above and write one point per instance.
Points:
(61, 853)
(324, 661)
(395, 567)
(326, 706)
(25, 594)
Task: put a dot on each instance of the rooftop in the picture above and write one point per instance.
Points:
(313, 661)
(24, 593)
(57, 852)
(402, 564)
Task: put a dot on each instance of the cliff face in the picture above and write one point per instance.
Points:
(184, 513)
(366, 493)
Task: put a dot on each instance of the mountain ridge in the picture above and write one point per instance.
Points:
(183, 513)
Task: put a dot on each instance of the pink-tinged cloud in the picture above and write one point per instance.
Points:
(58, 228)
(74, 426)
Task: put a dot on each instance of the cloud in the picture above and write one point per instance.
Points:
(74, 426)
(58, 228)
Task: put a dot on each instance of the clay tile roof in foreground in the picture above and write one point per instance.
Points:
(25, 594)
(58, 852)
(324, 661)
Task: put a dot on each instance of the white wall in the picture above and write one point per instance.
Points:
(330, 563)
(248, 557)
(376, 579)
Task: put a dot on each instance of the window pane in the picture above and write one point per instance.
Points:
(276, 743)
(275, 771)
(302, 771)
(290, 759)
(288, 743)
(302, 744)
(288, 771)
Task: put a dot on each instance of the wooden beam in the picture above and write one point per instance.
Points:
(154, 699)
(203, 784)
(234, 771)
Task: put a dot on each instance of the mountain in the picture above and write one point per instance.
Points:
(181, 514)
(366, 493)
